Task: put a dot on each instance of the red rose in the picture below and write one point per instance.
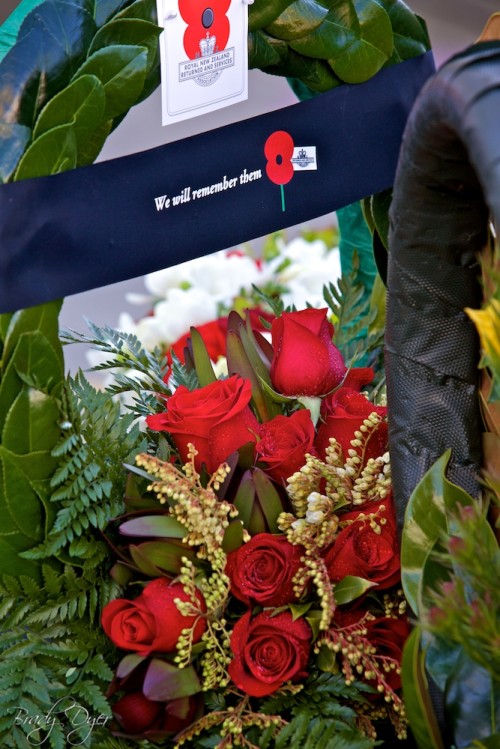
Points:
(262, 570)
(138, 715)
(342, 414)
(214, 337)
(216, 419)
(151, 623)
(358, 550)
(356, 377)
(268, 651)
(284, 442)
(305, 362)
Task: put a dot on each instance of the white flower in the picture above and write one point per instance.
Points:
(314, 518)
(182, 309)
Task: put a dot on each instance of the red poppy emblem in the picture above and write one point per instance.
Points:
(205, 19)
(278, 151)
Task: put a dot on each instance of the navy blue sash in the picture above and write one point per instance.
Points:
(119, 219)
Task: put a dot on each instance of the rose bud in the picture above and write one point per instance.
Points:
(305, 362)
(135, 713)
(262, 570)
(342, 414)
(284, 442)
(138, 716)
(216, 418)
(152, 622)
(361, 551)
(269, 651)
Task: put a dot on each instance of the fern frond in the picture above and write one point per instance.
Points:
(125, 352)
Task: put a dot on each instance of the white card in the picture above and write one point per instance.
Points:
(204, 57)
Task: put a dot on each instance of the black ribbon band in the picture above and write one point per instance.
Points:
(119, 219)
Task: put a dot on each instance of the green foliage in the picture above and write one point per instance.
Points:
(450, 564)
(353, 314)
(31, 378)
(325, 44)
(317, 719)
(98, 58)
(88, 488)
(51, 669)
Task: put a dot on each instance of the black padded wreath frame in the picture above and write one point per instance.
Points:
(447, 188)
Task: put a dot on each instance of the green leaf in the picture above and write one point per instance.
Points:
(81, 105)
(43, 318)
(410, 35)
(128, 31)
(426, 519)
(122, 71)
(128, 664)
(140, 9)
(156, 558)
(31, 423)
(265, 50)
(202, 362)
(13, 141)
(472, 701)
(91, 148)
(355, 37)
(350, 588)
(53, 152)
(233, 536)
(153, 525)
(269, 499)
(262, 12)
(372, 47)
(164, 681)
(416, 695)
(299, 18)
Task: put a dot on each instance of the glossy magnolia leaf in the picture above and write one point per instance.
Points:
(36, 361)
(298, 19)
(471, 691)
(129, 31)
(418, 703)
(350, 588)
(23, 523)
(314, 73)
(91, 148)
(52, 43)
(153, 525)
(164, 681)
(105, 9)
(141, 9)
(265, 50)
(355, 37)
(262, 12)
(81, 105)
(372, 47)
(31, 423)
(122, 71)
(52, 153)
(426, 518)
(43, 318)
(410, 35)
(13, 141)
